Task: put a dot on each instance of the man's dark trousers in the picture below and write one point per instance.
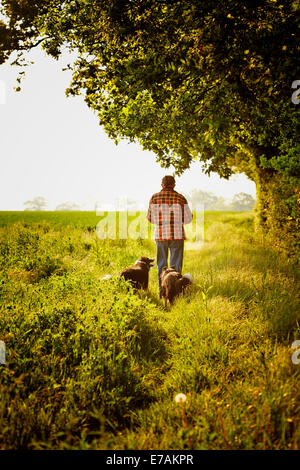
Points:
(176, 255)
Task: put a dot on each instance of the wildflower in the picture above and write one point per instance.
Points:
(180, 398)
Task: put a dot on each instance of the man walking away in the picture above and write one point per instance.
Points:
(169, 210)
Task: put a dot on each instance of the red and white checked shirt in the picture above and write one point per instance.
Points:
(169, 210)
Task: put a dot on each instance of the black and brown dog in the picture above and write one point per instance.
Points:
(138, 274)
(173, 284)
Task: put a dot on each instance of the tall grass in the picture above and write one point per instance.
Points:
(91, 365)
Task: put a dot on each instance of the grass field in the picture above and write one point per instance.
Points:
(91, 365)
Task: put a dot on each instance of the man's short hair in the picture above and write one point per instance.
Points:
(168, 181)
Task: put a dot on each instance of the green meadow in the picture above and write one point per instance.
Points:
(92, 365)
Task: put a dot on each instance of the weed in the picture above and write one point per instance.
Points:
(91, 365)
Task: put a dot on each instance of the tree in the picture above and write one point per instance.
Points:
(199, 197)
(68, 206)
(19, 30)
(221, 204)
(188, 80)
(36, 204)
(242, 202)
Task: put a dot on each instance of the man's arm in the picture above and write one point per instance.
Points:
(149, 211)
(152, 214)
(187, 214)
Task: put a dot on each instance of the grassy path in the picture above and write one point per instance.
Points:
(230, 351)
(90, 365)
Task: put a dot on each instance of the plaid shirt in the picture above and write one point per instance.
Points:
(169, 210)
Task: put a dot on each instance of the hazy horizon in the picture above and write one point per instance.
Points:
(53, 147)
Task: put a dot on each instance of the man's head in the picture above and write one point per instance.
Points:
(168, 182)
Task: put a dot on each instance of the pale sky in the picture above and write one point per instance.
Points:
(53, 146)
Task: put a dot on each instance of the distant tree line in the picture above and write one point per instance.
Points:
(36, 204)
(188, 80)
(40, 203)
(239, 202)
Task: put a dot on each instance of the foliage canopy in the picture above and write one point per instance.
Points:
(187, 80)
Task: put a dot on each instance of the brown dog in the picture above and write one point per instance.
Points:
(172, 284)
(138, 274)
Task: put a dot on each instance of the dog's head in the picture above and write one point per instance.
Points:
(145, 262)
(167, 270)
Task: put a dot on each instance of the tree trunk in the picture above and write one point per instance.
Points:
(277, 209)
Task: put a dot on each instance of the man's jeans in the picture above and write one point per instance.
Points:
(176, 255)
